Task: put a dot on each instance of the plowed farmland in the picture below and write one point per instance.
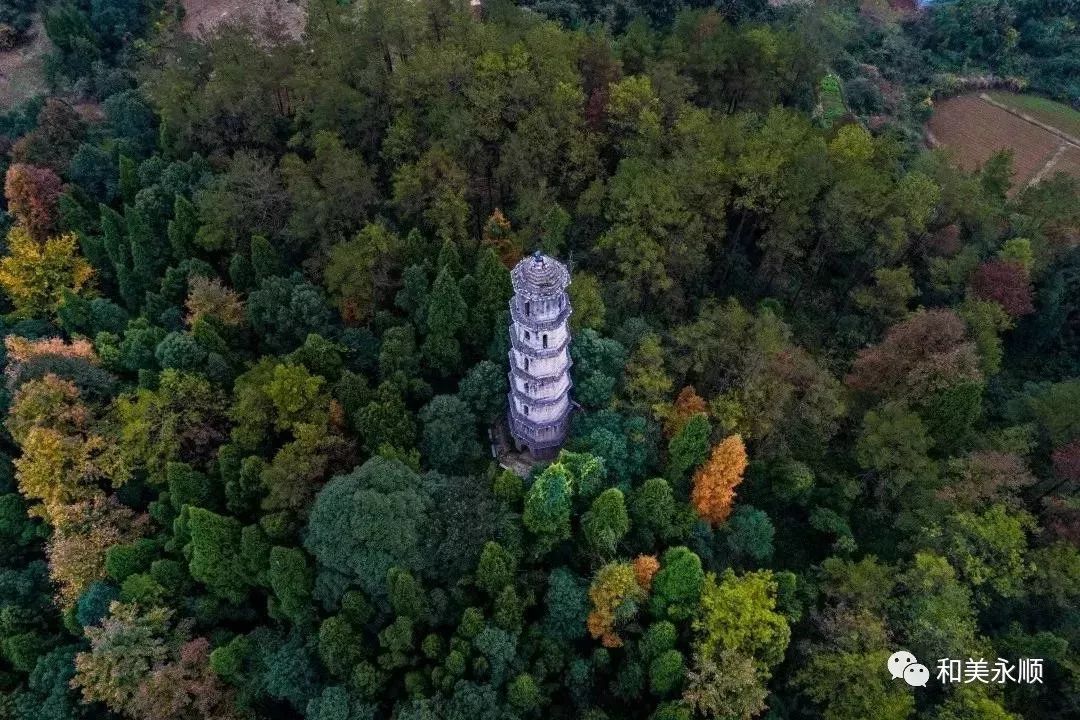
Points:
(971, 129)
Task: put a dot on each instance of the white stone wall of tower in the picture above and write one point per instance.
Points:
(545, 390)
(541, 308)
(542, 366)
(542, 413)
(535, 338)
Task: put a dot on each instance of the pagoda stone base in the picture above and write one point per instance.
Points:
(548, 453)
(506, 452)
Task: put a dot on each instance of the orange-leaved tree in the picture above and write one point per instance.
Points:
(687, 404)
(499, 236)
(645, 567)
(716, 480)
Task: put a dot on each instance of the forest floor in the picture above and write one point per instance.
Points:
(203, 16)
(22, 70)
(974, 126)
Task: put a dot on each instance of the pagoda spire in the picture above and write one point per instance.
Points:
(539, 397)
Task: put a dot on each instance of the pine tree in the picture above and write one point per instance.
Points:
(76, 218)
(215, 558)
(413, 295)
(547, 507)
(493, 291)
(129, 179)
(149, 255)
(606, 522)
(587, 301)
(446, 317)
(450, 259)
(183, 227)
(265, 258)
(114, 238)
(646, 383)
(688, 448)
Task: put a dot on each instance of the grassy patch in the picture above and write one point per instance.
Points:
(832, 99)
(1062, 117)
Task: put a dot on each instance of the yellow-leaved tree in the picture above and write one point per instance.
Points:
(59, 463)
(82, 535)
(615, 595)
(716, 480)
(65, 461)
(35, 273)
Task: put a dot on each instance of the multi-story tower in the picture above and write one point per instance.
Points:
(539, 355)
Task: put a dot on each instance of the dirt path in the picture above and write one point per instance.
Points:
(1049, 166)
(203, 16)
(22, 70)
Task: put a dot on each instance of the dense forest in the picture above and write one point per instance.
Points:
(255, 313)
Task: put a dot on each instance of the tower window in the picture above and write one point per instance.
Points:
(545, 339)
(526, 363)
(528, 308)
(527, 335)
(525, 409)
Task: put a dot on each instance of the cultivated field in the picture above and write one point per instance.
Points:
(22, 69)
(972, 128)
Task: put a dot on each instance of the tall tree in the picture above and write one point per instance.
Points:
(714, 483)
(447, 315)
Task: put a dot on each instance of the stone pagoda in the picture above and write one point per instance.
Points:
(539, 395)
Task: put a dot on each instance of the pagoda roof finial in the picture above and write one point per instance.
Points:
(539, 275)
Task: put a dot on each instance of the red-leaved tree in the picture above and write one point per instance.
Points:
(1005, 282)
(927, 352)
(1066, 461)
(185, 688)
(1061, 518)
(32, 193)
